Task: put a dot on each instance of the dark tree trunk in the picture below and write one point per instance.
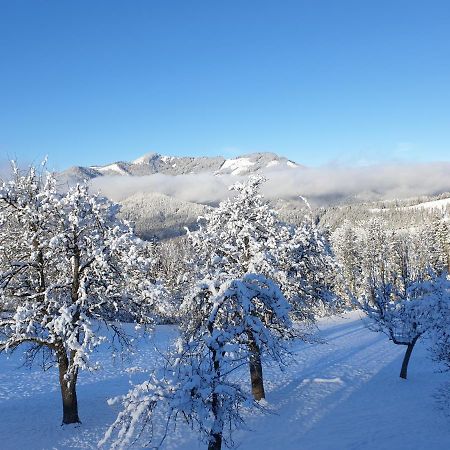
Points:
(68, 381)
(409, 349)
(68, 390)
(256, 372)
(215, 439)
(215, 443)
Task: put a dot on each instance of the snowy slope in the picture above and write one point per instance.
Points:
(345, 394)
(435, 204)
(441, 205)
(111, 169)
(237, 166)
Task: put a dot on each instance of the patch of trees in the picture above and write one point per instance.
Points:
(255, 283)
(399, 279)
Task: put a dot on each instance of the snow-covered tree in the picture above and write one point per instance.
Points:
(441, 338)
(66, 263)
(347, 244)
(440, 238)
(309, 273)
(404, 316)
(170, 266)
(243, 235)
(440, 332)
(376, 256)
(197, 383)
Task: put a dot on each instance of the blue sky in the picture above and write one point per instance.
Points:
(349, 82)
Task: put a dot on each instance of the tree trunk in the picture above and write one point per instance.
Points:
(215, 442)
(215, 439)
(68, 381)
(68, 390)
(256, 372)
(409, 349)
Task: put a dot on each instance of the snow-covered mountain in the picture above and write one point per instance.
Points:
(153, 163)
(153, 213)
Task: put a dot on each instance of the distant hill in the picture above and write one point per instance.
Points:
(159, 216)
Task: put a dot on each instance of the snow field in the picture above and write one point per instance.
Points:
(341, 394)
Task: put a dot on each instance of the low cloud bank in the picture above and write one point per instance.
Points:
(324, 185)
(200, 188)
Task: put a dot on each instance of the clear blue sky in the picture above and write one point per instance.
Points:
(90, 82)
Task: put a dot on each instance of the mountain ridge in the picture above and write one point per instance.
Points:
(153, 163)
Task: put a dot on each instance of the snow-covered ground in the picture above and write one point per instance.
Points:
(343, 394)
(237, 165)
(438, 205)
(111, 168)
(435, 204)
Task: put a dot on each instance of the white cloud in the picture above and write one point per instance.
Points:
(322, 185)
(199, 188)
